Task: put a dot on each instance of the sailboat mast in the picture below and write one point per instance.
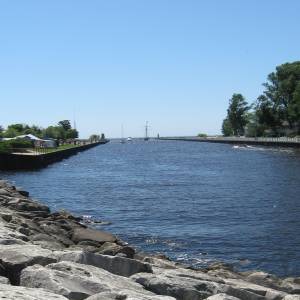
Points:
(122, 133)
(146, 131)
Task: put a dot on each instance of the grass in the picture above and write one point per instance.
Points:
(60, 148)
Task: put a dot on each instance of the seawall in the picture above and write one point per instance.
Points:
(273, 142)
(22, 161)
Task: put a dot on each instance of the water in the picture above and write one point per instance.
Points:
(195, 202)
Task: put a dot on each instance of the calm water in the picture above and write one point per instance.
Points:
(196, 202)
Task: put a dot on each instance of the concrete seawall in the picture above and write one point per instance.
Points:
(273, 142)
(18, 161)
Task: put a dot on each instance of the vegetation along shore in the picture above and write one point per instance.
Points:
(55, 255)
(28, 147)
(276, 112)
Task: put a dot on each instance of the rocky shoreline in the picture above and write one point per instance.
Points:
(45, 255)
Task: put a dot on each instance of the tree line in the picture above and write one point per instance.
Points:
(62, 131)
(276, 112)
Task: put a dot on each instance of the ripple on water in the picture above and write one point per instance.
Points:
(196, 202)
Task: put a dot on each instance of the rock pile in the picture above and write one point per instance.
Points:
(46, 255)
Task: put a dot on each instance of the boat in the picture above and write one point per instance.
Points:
(129, 139)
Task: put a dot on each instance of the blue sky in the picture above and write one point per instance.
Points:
(172, 63)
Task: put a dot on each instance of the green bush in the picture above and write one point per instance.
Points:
(5, 147)
(8, 146)
(203, 135)
(20, 143)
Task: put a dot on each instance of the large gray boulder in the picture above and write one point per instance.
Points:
(22, 204)
(87, 234)
(128, 295)
(222, 296)
(4, 280)
(117, 265)
(264, 279)
(243, 285)
(292, 297)
(186, 284)
(9, 236)
(181, 288)
(77, 281)
(291, 285)
(14, 258)
(10, 292)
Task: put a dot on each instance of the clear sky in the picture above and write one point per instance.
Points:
(172, 63)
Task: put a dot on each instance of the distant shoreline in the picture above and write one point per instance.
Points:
(10, 161)
(277, 142)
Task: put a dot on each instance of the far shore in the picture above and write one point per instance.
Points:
(264, 141)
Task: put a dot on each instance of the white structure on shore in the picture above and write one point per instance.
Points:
(47, 143)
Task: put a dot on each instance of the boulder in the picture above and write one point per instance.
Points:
(127, 295)
(9, 236)
(264, 279)
(10, 292)
(23, 193)
(14, 258)
(181, 288)
(6, 217)
(222, 296)
(187, 284)
(77, 281)
(291, 285)
(88, 234)
(4, 280)
(109, 248)
(161, 263)
(292, 297)
(242, 285)
(117, 265)
(27, 205)
(224, 273)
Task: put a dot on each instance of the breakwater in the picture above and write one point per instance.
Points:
(274, 142)
(12, 161)
(54, 255)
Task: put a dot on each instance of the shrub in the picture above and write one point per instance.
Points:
(8, 146)
(5, 147)
(20, 143)
(203, 135)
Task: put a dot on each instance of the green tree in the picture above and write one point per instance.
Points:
(267, 117)
(282, 91)
(10, 133)
(17, 127)
(226, 128)
(65, 124)
(71, 134)
(94, 138)
(34, 129)
(1, 131)
(236, 115)
(55, 132)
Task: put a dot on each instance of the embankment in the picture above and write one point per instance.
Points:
(22, 161)
(53, 255)
(273, 142)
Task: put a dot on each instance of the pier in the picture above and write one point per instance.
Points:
(262, 141)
